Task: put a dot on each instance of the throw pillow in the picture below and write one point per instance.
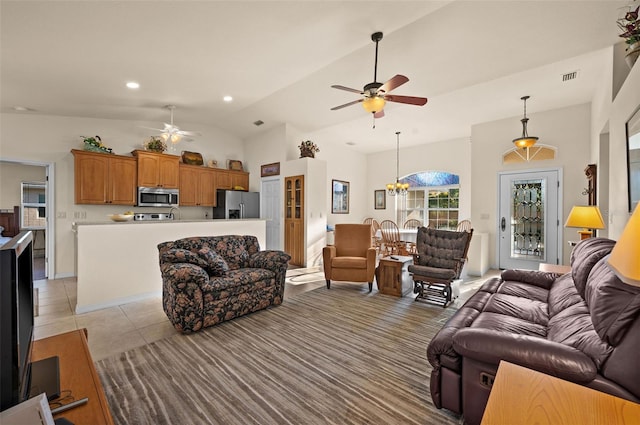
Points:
(216, 264)
(179, 255)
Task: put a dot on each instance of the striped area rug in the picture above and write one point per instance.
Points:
(338, 356)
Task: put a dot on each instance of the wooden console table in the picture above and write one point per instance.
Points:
(77, 374)
(524, 396)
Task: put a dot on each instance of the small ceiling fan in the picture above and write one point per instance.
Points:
(376, 94)
(172, 133)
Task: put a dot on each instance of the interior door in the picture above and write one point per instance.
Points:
(529, 226)
(271, 211)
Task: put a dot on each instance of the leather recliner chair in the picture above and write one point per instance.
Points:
(351, 258)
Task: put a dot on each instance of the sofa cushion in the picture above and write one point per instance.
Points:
(504, 323)
(216, 265)
(584, 256)
(234, 250)
(349, 262)
(239, 281)
(521, 308)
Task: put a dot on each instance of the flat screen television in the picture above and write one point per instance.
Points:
(17, 372)
(16, 318)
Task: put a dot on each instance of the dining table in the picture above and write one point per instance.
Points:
(406, 235)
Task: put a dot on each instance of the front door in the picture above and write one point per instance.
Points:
(529, 226)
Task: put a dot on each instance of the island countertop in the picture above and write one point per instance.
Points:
(75, 224)
(117, 262)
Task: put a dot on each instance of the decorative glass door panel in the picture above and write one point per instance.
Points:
(528, 224)
(527, 219)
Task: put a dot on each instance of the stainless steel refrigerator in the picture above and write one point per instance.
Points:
(233, 204)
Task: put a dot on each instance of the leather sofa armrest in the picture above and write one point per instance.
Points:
(534, 277)
(535, 353)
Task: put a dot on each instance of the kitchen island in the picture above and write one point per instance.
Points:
(117, 263)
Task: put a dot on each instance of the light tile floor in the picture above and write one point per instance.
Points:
(118, 329)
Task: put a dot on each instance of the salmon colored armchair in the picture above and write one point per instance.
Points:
(351, 258)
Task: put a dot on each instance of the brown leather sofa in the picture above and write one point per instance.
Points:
(582, 327)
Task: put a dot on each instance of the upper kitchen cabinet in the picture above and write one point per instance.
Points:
(102, 178)
(197, 186)
(158, 169)
(232, 180)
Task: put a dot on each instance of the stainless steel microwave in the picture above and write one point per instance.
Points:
(158, 197)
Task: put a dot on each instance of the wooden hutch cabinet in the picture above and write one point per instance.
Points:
(157, 169)
(197, 186)
(102, 178)
(294, 219)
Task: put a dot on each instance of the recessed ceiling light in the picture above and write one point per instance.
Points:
(133, 85)
(351, 143)
(227, 98)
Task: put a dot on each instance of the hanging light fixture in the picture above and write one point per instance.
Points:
(525, 141)
(397, 188)
(373, 104)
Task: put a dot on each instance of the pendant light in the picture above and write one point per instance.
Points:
(397, 188)
(525, 141)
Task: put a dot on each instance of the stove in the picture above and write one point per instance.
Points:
(153, 216)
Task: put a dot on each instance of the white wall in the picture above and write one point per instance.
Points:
(452, 156)
(568, 129)
(45, 138)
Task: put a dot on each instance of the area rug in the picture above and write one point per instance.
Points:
(338, 356)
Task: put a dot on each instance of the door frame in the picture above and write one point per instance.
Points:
(560, 245)
(50, 252)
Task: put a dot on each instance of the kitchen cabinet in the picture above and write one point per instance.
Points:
(157, 169)
(294, 219)
(227, 179)
(197, 186)
(102, 178)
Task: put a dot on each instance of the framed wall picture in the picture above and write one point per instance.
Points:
(235, 165)
(272, 169)
(339, 197)
(380, 199)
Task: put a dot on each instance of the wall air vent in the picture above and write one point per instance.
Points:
(258, 123)
(569, 76)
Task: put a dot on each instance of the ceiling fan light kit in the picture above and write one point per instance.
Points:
(375, 94)
(172, 133)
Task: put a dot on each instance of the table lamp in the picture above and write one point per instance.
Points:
(585, 217)
(625, 254)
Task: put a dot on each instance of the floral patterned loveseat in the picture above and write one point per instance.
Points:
(207, 280)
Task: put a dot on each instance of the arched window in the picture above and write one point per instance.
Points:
(433, 198)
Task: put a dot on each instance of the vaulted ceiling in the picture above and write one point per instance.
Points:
(278, 59)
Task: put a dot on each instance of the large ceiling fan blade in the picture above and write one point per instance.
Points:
(335, 108)
(347, 89)
(411, 100)
(378, 114)
(151, 128)
(188, 133)
(393, 83)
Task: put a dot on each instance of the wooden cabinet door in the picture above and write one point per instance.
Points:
(91, 177)
(189, 180)
(158, 169)
(223, 179)
(294, 219)
(168, 171)
(239, 179)
(207, 185)
(122, 181)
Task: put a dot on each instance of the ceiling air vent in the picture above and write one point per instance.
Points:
(569, 76)
(258, 123)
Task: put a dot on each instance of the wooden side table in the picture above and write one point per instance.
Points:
(77, 374)
(392, 276)
(524, 396)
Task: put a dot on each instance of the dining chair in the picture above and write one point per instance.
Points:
(412, 223)
(391, 238)
(464, 226)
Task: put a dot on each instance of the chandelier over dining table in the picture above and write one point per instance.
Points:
(397, 188)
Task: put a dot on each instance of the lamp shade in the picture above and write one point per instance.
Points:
(585, 217)
(373, 104)
(625, 256)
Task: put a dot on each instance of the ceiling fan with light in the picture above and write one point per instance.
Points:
(376, 94)
(172, 133)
